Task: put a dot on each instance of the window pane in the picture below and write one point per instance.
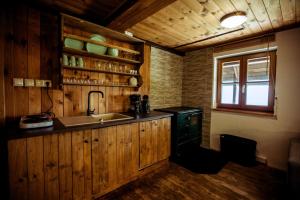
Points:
(258, 69)
(257, 94)
(230, 72)
(230, 94)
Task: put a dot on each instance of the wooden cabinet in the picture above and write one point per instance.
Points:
(155, 138)
(85, 164)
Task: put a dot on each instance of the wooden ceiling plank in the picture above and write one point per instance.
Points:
(288, 11)
(251, 20)
(148, 33)
(228, 7)
(260, 13)
(137, 13)
(274, 12)
(209, 21)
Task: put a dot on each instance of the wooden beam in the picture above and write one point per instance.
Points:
(138, 12)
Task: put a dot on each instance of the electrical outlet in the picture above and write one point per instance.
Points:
(45, 82)
(39, 83)
(19, 82)
(29, 82)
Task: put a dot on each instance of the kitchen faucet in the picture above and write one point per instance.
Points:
(89, 111)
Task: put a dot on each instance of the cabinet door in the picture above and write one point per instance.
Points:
(104, 166)
(127, 152)
(148, 143)
(163, 138)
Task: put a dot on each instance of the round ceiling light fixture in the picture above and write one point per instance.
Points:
(233, 19)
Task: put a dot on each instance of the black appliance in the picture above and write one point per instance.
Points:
(145, 104)
(238, 149)
(135, 104)
(186, 128)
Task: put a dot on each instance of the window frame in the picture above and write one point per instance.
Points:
(243, 81)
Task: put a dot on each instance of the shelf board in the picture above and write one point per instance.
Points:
(92, 84)
(85, 53)
(101, 43)
(98, 70)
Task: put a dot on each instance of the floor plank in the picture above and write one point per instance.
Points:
(232, 182)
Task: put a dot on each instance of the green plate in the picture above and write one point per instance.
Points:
(74, 44)
(113, 52)
(94, 48)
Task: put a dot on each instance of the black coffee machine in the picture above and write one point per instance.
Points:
(135, 104)
(138, 106)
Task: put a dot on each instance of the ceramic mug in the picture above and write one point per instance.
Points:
(65, 60)
(73, 61)
(80, 62)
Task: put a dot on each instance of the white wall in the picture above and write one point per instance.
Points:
(272, 135)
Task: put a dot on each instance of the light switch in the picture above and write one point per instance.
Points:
(29, 82)
(18, 82)
(39, 83)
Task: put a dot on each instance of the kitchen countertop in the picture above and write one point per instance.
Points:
(14, 132)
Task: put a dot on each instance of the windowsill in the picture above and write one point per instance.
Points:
(246, 112)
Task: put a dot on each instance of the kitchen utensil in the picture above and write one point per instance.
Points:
(74, 44)
(95, 48)
(113, 52)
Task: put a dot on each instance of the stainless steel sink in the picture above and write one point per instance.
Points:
(93, 119)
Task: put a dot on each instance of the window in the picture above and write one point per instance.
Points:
(247, 82)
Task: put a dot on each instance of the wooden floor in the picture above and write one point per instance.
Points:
(232, 182)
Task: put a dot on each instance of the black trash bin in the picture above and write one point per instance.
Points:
(238, 149)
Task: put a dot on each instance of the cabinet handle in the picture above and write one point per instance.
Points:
(96, 140)
(143, 130)
(85, 141)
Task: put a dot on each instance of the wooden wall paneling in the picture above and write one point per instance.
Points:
(21, 97)
(94, 97)
(87, 157)
(34, 60)
(2, 79)
(65, 165)
(145, 71)
(288, 11)
(58, 103)
(51, 167)
(35, 164)
(78, 165)
(117, 98)
(8, 65)
(18, 172)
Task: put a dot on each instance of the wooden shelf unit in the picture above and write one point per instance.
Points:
(103, 85)
(126, 44)
(98, 70)
(76, 37)
(108, 57)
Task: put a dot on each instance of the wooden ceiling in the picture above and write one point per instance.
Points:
(184, 22)
(98, 11)
(183, 25)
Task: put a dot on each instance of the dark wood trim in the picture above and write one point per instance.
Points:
(137, 13)
(171, 50)
(119, 11)
(208, 38)
(242, 83)
(245, 38)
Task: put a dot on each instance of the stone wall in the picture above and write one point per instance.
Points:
(166, 72)
(197, 85)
